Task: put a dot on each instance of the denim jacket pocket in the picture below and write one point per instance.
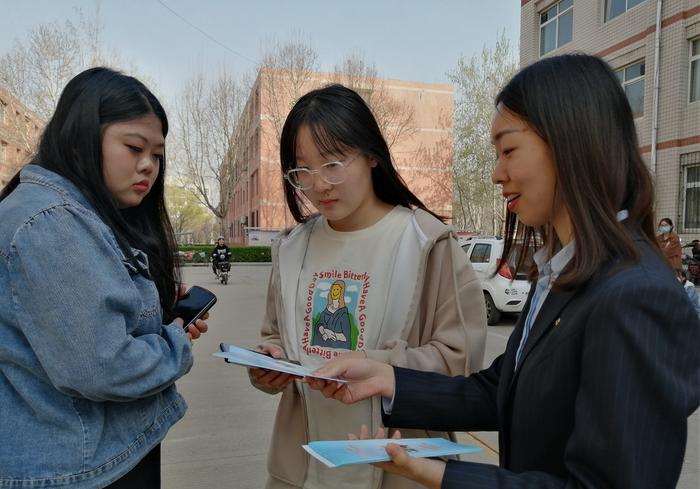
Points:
(149, 318)
(141, 259)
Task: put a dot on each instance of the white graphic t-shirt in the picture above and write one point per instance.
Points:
(343, 289)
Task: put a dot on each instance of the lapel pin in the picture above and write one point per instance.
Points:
(556, 323)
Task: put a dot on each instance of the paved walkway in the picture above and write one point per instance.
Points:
(222, 441)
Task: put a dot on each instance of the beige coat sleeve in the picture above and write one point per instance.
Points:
(269, 330)
(449, 331)
(270, 327)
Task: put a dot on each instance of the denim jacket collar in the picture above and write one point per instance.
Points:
(42, 176)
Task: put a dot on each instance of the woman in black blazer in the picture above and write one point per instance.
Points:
(602, 370)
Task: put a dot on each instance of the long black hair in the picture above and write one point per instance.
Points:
(576, 104)
(71, 146)
(340, 121)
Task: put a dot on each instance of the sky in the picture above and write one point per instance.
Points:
(170, 40)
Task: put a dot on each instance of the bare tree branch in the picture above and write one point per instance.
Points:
(395, 119)
(37, 68)
(285, 72)
(208, 118)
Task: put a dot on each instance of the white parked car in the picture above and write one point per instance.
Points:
(503, 292)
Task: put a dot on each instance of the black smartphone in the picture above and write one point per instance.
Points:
(194, 304)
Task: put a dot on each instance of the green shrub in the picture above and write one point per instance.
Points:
(251, 254)
(200, 256)
(238, 253)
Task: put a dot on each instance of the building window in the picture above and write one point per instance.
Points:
(690, 175)
(613, 8)
(632, 79)
(695, 70)
(556, 26)
(3, 111)
(254, 183)
(3, 153)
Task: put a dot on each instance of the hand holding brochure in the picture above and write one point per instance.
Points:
(248, 358)
(338, 453)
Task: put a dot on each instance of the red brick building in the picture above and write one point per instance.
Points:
(654, 46)
(19, 132)
(421, 148)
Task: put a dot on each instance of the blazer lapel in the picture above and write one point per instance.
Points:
(514, 340)
(552, 307)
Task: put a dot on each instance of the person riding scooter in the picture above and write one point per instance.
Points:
(220, 254)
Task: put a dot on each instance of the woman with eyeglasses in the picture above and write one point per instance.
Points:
(602, 371)
(374, 274)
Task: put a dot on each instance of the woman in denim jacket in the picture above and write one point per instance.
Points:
(90, 350)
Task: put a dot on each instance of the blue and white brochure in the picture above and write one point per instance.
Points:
(338, 453)
(247, 358)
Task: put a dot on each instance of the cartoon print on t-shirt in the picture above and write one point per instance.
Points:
(331, 316)
(332, 328)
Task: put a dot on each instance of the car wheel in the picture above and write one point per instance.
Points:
(493, 315)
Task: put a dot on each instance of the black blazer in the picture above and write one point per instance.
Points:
(607, 379)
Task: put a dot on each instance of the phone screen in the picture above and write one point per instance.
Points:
(192, 306)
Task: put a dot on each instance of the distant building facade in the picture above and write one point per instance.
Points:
(624, 33)
(19, 132)
(422, 150)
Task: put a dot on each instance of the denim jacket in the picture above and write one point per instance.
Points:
(87, 369)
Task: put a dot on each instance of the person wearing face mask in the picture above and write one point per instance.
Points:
(670, 243)
(373, 275)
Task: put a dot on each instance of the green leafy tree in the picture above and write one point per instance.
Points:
(478, 205)
(186, 213)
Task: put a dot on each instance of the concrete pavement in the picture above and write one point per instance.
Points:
(223, 439)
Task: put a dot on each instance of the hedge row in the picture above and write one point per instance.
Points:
(193, 253)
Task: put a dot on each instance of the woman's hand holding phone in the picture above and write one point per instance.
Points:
(194, 309)
(196, 329)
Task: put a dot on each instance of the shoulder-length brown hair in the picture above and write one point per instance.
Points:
(576, 104)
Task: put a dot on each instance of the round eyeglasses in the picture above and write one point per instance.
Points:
(333, 172)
